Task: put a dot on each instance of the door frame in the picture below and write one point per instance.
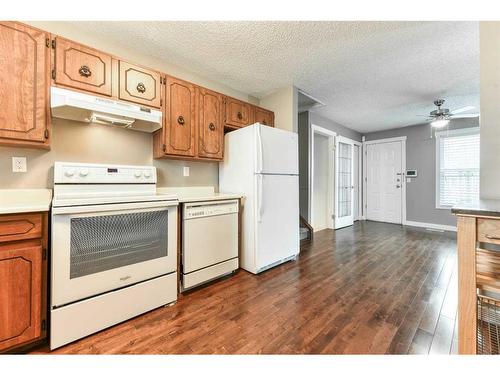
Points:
(331, 135)
(360, 180)
(401, 139)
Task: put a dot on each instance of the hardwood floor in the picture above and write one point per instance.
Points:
(369, 288)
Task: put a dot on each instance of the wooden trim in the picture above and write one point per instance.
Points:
(467, 291)
(386, 140)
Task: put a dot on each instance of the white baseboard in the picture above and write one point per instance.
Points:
(419, 224)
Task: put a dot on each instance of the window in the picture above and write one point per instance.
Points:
(457, 169)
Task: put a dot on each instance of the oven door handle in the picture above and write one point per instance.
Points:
(68, 210)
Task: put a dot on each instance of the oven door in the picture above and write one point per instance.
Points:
(96, 249)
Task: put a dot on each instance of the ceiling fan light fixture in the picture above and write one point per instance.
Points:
(440, 123)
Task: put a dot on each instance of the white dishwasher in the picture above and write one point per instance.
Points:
(209, 241)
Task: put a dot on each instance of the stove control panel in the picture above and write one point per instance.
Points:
(81, 173)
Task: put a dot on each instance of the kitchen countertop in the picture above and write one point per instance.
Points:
(24, 200)
(197, 193)
(482, 207)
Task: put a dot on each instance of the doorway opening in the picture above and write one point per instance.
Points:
(322, 178)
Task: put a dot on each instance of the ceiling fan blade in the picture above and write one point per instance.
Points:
(466, 115)
(462, 109)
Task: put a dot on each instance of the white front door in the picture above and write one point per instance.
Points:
(344, 215)
(384, 182)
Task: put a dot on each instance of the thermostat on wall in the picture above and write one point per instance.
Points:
(411, 173)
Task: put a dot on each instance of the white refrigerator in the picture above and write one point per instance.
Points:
(261, 162)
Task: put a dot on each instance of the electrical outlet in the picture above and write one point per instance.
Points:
(19, 164)
(185, 171)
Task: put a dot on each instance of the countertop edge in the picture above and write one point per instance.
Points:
(209, 198)
(474, 212)
(20, 210)
(17, 201)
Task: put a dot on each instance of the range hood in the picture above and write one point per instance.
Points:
(76, 106)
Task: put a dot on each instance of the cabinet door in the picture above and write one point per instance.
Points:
(20, 299)
(180, 118)
(211, 128)
(139, 85)
(24, 85)
(264, 116)
(238, 113)
(82, 68)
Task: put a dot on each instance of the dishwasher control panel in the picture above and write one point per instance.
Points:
(211, 208)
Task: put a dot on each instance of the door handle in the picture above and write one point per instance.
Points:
(398, 186)
(260, 199)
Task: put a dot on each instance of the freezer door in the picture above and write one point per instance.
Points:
(277, 218)
(277, 151)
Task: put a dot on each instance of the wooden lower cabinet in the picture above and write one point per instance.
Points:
(24, 83)
(478, 238)
(23, 285)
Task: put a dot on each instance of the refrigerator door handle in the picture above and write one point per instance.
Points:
(260, 156)
(260, 205)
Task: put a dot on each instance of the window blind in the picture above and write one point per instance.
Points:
(458, 167)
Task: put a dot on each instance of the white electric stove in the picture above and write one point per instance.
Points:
(114, 247)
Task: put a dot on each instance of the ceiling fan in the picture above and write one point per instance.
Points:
(441, 117)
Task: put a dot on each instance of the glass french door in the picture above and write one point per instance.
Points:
(344, 186)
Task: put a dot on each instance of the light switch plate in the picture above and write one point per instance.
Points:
(19, 164)
(185, 171)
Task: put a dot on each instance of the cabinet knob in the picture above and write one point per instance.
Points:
(264, 122)
(180, 120)
(211, 126)
(85, 71)
(141, 87)
(240, 116)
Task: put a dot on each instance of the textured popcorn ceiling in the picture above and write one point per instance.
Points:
(370, 75)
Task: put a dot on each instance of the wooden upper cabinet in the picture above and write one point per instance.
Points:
(21, 297)
(238, 113)
(180, 118)
(82, 68)
(263, 116)
(139, 85)
(24, 85)
(210, 125)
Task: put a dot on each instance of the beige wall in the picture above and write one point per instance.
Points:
(100, 144)
(77, 142)
(284, 104)
(489, 35)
